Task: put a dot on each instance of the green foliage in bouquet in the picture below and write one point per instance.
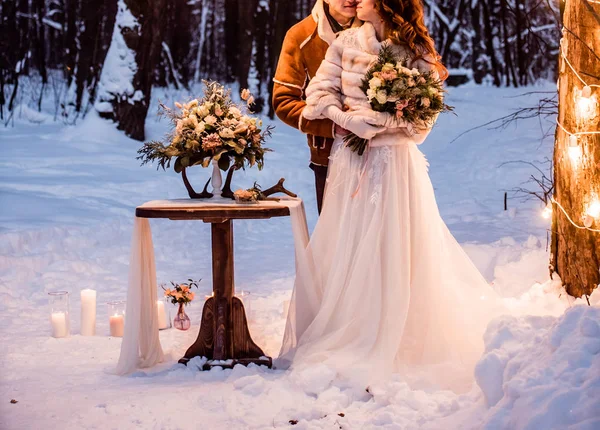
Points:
(211, 128)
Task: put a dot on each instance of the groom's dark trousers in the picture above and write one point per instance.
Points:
(320, 179)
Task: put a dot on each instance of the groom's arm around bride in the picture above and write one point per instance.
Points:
(303, 50)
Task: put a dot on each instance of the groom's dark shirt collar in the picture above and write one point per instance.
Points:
(335, 26)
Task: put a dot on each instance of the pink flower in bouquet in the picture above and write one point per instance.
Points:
(421, 80)
(388, 75)
(425, 102)
(210, 120)
(218, 110)
(211, 142)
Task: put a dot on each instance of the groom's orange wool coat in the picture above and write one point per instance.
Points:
(301, 55)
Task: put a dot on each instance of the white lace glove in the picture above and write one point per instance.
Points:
(356, 122)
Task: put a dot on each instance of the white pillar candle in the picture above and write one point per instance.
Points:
(59, 324)
(163, 321)
(88, 312)
(117, 325)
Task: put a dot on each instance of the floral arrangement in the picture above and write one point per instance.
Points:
(256, 193)
(210, 128)
(246, 196)
(181, 293)
(406, 94)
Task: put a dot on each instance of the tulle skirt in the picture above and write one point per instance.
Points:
(383, 287)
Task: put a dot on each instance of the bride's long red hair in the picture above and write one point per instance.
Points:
(405, 20)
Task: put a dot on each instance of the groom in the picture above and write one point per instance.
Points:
(303, 50)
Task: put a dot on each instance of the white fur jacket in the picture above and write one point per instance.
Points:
(339, 77)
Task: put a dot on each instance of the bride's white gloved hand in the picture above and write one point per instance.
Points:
(359, 124)
(385, 119)
(388, 121)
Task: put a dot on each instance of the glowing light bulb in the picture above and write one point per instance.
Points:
(547, 212)
(574, 150)
(593, 209)
(586, 107)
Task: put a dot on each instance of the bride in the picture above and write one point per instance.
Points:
(383, 287)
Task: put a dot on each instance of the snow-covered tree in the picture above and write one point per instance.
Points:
(127, 76)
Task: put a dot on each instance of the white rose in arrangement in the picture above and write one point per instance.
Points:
(210, 120)
(227, 133)
(375, 83)
(405, 70)
(235, 112)
(200, 127)
(241, 128)
(202, 111)
(414, 71)
(381, 96)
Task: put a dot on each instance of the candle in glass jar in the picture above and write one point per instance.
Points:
(163, 321)
(88, 312)
(117, 325)
(59, 324)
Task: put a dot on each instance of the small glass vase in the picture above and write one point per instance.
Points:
(181, 321)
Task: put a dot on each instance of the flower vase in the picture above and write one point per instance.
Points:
(181, 321)
(216, 180)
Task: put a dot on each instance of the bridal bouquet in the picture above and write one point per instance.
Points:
(210, 128)
(407, 95)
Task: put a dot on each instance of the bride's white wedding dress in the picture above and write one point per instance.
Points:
(383, 285)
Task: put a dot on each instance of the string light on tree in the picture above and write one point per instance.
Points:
(586, 104)
(574, 150)
(547, 212)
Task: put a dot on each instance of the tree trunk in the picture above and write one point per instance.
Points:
(126, 83)
(576, 252)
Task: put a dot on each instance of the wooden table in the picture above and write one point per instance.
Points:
(224, 337)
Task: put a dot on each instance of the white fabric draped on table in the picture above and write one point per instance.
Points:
(141, 344)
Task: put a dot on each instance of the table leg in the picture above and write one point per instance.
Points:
(224, 333)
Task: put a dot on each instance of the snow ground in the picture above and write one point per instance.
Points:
(67, 196)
